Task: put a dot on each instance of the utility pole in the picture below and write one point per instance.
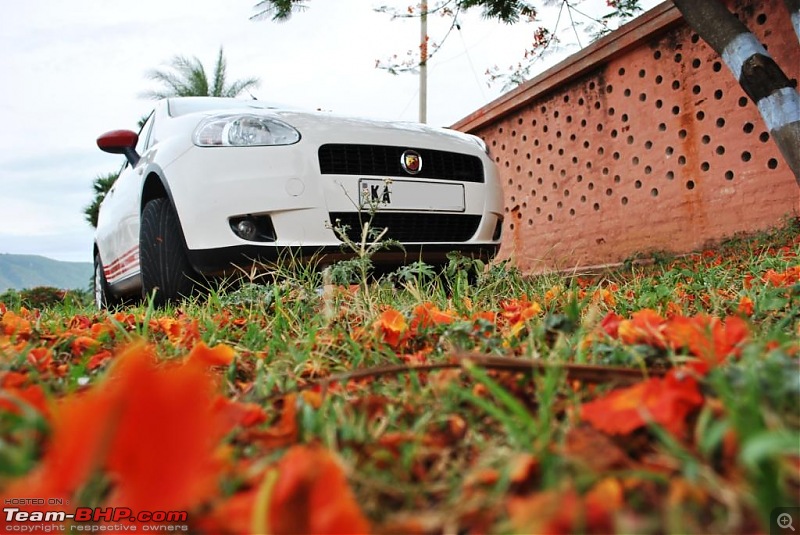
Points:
(423, 63)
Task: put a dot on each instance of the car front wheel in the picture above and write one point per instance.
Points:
(162, 255)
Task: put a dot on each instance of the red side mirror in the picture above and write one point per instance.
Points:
(118, 141)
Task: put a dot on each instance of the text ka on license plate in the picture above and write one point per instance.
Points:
(408, 195)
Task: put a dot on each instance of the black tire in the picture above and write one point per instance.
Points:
(103, 298)
(162, 255)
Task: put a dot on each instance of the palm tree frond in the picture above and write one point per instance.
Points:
(239, 86)
(186, 77)
(102, 184)
(219, 75)
(278, 10)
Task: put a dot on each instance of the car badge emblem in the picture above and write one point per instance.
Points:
(411, 162)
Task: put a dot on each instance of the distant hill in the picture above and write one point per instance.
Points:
(28, 271)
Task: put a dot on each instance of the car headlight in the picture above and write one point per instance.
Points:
(243, 131)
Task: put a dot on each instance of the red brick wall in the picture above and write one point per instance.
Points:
(642, 142)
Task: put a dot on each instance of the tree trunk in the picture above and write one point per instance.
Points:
(758, 74)
(794, 10)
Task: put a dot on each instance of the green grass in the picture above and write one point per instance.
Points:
(445, 447)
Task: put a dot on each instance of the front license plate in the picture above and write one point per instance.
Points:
(408, 195)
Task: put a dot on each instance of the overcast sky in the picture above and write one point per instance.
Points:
(74, 69)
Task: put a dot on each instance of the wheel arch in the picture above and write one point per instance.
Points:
(155, 187)
(96, 251)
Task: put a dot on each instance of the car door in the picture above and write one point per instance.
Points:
(119, 229)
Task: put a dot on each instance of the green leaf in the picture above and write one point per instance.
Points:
(767, 444)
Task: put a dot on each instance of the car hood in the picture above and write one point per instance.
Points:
(321, 128)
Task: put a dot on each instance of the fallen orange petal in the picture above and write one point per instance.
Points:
(311, 495)
(666, 401)
(82, 344)
(150, 427)
(162, 455)
(220, 355)
(14, 324)
(391, 324)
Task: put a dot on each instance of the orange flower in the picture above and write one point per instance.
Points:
(419, 357)
(519, 310)
(82, 344)
(237, 413)
(99, 329)
(220, 355)
(665, 401)
(707, 338)
(745, 306)
(162, 453)
(234, 515)
(392, 325)
(17, 398)
(80, 322)
(126, 319)
(486, 315)
(40, 358)
(428, 315)
(12, 379)
(311, 495)
(284, 432)
(168, 326)
(516, 313)
(190, 334)
(14, 324)
(152, 428)
(604, 295)
(673, 309)
(610, 324)
(98, 359)
(558, 513)
(646, 326)
(79, 426)
(307, 492)
(787, 278)
(553, 294)
(182, 332)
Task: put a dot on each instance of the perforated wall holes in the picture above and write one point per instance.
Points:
(649, 132)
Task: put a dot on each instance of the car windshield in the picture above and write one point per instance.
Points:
(182, 106)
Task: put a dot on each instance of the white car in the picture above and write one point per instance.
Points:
(215, 184)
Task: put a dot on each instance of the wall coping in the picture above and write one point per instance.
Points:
(645, 27)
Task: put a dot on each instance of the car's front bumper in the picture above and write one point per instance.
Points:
(210, 186)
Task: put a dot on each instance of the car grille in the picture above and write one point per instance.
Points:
(381, 160)
(411, 227)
